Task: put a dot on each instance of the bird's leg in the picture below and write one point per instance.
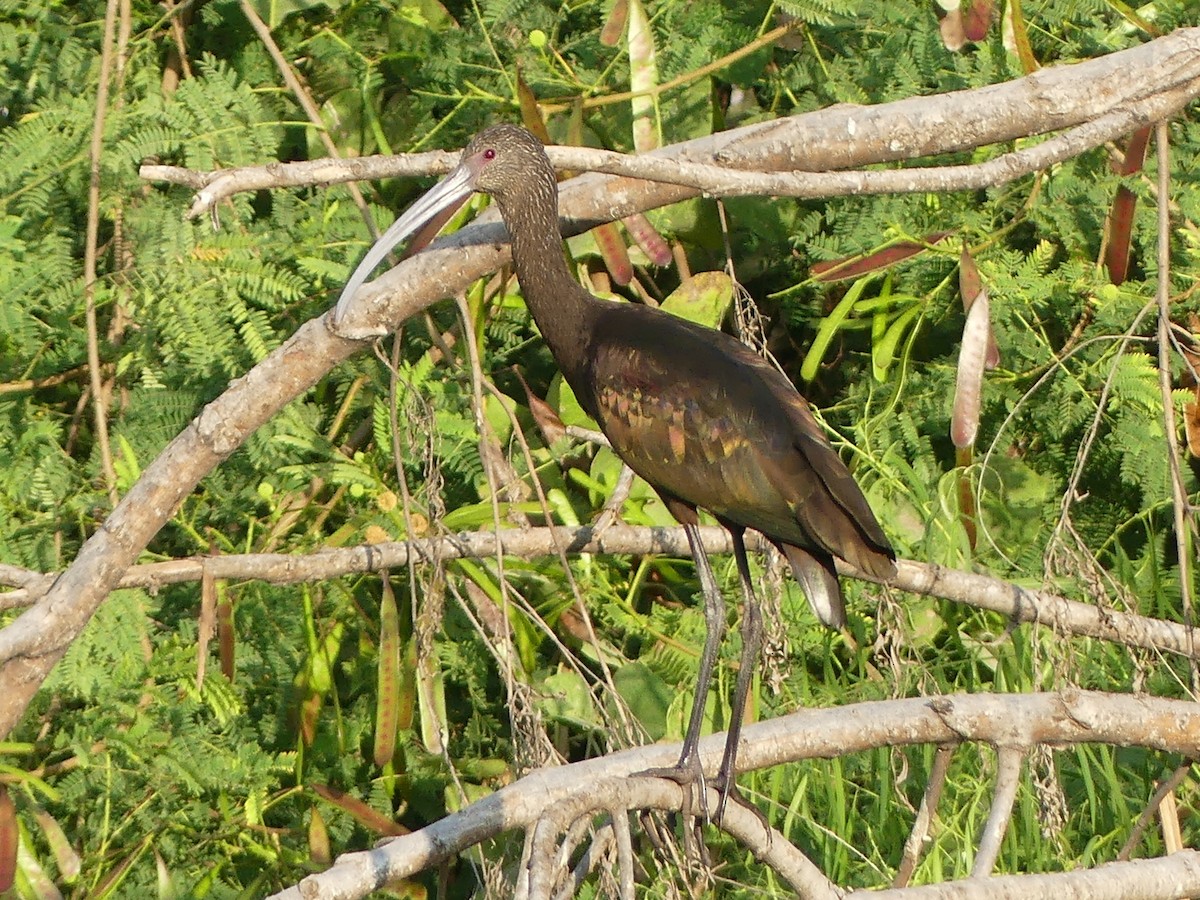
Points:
(752, 635)
(688, 771)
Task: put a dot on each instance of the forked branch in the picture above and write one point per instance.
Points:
(553, 800)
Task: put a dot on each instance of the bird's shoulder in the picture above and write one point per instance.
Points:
(648, 349)
(657, 379)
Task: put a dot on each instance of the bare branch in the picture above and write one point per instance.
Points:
(1008, 776)
(1015, 721)
(921, 827)
(1126, 90)
(1181, 507)
(1172, 876)
(980, 591)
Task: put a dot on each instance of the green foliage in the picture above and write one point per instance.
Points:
(167, 788)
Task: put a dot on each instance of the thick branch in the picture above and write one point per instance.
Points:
(1010, 720)
(1126, 90)
(980, 591)
(1172, 876)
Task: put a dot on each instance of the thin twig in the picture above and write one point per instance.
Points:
(625, 863)
(90, 252)
(1071, 494)
(26, 385)
(602, 842)
(924, 821)
(551, 105)
(1183, 520)
(1173, 781)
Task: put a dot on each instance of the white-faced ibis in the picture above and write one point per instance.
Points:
(707, 422)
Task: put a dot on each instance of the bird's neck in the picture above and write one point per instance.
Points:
(562, 309)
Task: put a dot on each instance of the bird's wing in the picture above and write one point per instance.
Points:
(704, 419)
(678, 431)
(827, 501)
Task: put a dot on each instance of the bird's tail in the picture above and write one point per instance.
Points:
(818, 577)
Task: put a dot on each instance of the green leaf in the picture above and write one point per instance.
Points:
(648, 697)
(704, 298)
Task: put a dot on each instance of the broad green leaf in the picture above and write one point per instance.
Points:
(704, 298)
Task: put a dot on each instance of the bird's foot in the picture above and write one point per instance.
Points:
(727, 790)
(689, 775)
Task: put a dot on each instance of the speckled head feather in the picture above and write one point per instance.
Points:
(508, 162)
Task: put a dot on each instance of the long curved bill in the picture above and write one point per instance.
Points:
(448, 192)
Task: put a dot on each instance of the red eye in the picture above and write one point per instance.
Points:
(489, 154)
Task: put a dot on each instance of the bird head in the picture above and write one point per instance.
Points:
(505, 161)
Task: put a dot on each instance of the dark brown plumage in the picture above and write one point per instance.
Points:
(709, 424)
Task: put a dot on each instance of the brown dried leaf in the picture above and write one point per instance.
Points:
(310, 713)
(614, 252)
(614, 25)
(531, 113)
(970, 284)
(977, 20)
(1120, 235)
(1191, 350)
(1119, 247)
(226, 637)
(1191, 424)
(65, 856)
(966, 493)
(387, 696)
(361, 812)
(852, 267)
(1134, 158)
(207, 625)
(953, 33)
(10, 838)
(548, 422)
(969, 281)
(318, 838)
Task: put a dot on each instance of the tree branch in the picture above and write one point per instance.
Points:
(1015, 721)
(1020, 604)
(1126, 90)
(1177, 875)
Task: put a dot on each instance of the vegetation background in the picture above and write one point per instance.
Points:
(331, 709)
